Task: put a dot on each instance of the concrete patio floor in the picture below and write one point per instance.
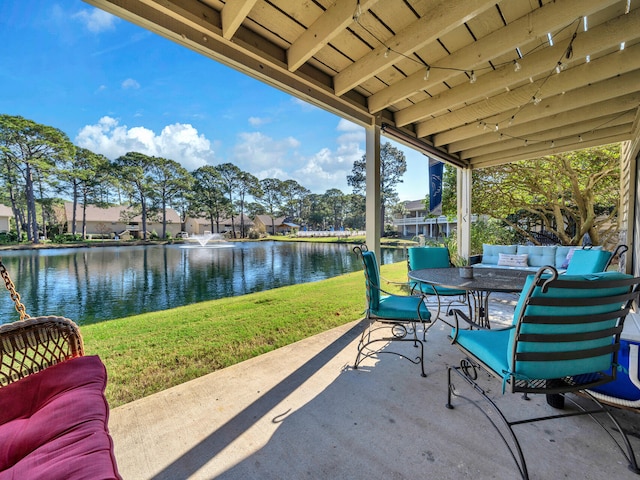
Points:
(302, 411)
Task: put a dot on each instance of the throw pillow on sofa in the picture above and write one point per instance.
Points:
(507, 260)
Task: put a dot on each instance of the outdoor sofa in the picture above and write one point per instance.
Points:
(525, 257)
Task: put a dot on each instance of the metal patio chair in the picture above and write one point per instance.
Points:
(390, 317)
(435, 257)
(590, 260)
(565, 338)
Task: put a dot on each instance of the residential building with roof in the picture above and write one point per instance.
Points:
(119, 221)
(415, 222)
(202, 225)
(267, 224)
(6, 214)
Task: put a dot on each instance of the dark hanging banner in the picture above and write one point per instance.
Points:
(435, 186)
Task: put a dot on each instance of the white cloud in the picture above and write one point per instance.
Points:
(347, 126)
(179, 142)
(130, 83)
(257, 121)
(96, 20)
(257, 153)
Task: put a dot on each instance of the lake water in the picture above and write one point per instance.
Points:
(94, 284)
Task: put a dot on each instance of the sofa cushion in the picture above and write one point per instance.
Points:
(53, 424)
(539, 256)
(491, 253)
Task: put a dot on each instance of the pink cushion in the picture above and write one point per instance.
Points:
(53, 424)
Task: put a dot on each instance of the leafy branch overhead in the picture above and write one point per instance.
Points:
(571, 195)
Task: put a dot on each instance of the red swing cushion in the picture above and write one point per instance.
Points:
(53, 424)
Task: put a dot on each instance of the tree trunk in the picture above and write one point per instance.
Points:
(75, 206)
(32, 227)
(164, 219)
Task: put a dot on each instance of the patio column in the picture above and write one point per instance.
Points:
(629, 216)
(373, 209)
(464, 211)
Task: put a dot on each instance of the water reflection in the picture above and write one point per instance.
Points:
(95, 284)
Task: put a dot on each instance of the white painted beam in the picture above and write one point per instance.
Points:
(330, 24)
(536, 24)
(599, 39)
(442, 18)
(233, 14)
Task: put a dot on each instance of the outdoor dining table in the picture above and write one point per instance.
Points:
(484, 282)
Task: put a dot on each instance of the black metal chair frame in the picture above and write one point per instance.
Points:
(391, 329)
(469, 366)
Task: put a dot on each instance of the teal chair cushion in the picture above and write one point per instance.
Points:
(430, 257)
(373, 278)
(488, 345)
(584, 262)
(393, 307)
(401, 308)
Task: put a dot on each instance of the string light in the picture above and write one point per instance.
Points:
(628, 8)
(357, 13)
(535, 99)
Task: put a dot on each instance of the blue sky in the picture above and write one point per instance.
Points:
(113, 87)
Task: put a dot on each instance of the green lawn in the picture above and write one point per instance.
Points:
(151, 352)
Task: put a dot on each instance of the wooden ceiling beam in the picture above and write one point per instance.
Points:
(595, 139)
(599, 39)
(600, 92)
(233, 14)
(503, 141)
(330, 24)
(511, 105)
(441, 19)
(536, 24)
(609, 108)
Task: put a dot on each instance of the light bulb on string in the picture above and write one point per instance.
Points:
(427, 71)
(357, 13)
(386, 52)
(516, 66)
(473, 77)
(536, 100)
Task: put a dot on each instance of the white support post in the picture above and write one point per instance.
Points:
(373, 210)
(464, 211)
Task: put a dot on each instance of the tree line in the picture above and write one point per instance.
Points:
(40, 166)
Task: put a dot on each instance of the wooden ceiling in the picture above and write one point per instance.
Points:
(474, 82)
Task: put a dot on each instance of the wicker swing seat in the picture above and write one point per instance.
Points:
(53, 411)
